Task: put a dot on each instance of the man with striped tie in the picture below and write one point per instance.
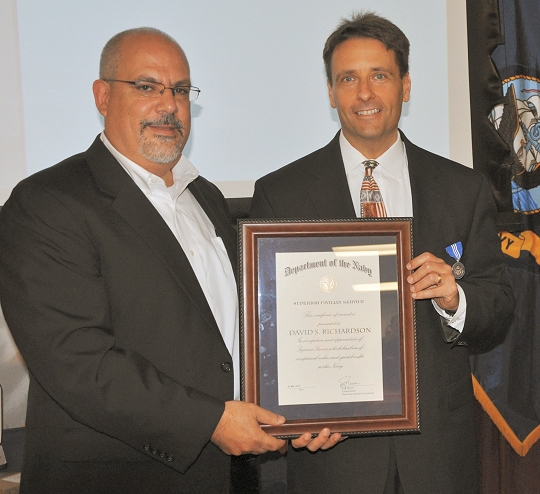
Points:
(371, 169)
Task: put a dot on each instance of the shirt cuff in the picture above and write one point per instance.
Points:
(456, 320)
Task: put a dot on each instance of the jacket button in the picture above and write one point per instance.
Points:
(146, 447)
(154, 451)
(226, 367)
(170, 458)
(162, 454)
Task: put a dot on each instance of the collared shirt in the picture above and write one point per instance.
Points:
(197, 236)
(392, 177)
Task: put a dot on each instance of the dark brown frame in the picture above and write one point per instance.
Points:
(251, 232)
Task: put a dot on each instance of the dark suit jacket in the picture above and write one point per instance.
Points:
(128, 368)
(451, 203)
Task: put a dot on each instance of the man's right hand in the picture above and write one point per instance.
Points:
(239, 431)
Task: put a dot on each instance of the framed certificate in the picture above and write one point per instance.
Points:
(327, 325)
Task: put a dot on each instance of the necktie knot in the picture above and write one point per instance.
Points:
(369, 166)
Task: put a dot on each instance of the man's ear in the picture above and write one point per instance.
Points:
(331, 95)
(406, 87)
(101, 91)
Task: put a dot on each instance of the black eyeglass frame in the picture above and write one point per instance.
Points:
(193, 90)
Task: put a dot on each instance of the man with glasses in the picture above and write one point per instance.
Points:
(117, 282)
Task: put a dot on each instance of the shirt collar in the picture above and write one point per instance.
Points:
(391, 160)
(183, 172)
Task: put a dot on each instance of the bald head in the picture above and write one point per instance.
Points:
(111, 54)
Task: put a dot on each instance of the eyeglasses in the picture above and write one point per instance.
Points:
(151, 89)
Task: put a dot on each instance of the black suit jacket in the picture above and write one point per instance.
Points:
(451, 203)
(127, 364)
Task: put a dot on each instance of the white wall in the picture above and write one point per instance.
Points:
(12, 155)
(263, 101)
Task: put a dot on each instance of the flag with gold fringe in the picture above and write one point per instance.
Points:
(507, 379)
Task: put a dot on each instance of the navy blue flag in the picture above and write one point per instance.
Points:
(507, 379)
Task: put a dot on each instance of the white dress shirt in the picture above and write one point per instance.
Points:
(197, 236)
(392, 177)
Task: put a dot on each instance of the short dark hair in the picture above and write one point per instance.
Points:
(110, 55)
(368, 25)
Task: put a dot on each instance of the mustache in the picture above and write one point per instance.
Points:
(166, 119)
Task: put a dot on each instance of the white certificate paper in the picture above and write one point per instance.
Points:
(329, 335)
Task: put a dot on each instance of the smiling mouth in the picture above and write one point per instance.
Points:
(368, 112)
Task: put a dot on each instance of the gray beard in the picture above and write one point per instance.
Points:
(156, 150)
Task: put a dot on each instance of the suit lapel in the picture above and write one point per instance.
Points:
(131, 204)
(428, 202)
(327, 184)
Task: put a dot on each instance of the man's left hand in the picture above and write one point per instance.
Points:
(324, 440)
(432, 278)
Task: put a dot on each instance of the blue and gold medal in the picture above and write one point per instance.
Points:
(456, 251)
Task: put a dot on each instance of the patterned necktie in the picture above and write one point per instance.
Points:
(371, 201)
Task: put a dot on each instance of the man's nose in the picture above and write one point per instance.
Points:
(167, 102)
(364, 90)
